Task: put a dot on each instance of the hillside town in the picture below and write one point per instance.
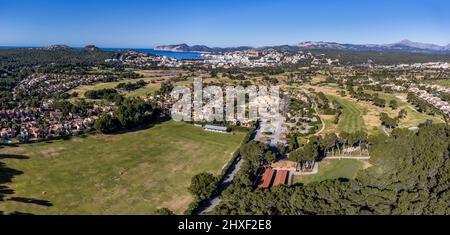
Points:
(239, 59)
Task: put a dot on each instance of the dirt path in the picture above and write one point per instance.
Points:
(323, 122)
(385, 131)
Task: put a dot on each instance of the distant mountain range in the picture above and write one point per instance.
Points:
(403, 46)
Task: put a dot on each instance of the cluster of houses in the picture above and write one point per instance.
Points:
(301, 120)
(42, 121)
(393, 87)
(254, 58)
(437, 88)
(431, 99)
(28, 124)
(412, 66)
(275, 130)
(53, 83)
(302, 125)
(29, 129)
(140, 59)
(429, 65)
(420, 90)
(260, 58)
(243, 59)
(398, 72)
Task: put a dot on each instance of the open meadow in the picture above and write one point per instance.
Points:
(334, 169)
(130, 173)
(351, 119)
(441, 82)
(413, 118)
(141, 92)
(363, 115)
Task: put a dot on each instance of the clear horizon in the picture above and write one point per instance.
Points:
(152, 47)
(137, 24)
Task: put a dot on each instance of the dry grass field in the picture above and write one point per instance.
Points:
(130, 173)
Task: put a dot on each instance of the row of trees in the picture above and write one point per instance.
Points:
(359, 94)
(307, 154)
(203, 185)
(131, 86)
(390, 122)
(323, 103)
(314, 149)
(421, 105)
(337, 144)
(318, 147)
(106, 93)
(80, 107)
(129, 113)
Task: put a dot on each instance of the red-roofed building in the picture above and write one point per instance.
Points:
(281, 178)
(266, 179)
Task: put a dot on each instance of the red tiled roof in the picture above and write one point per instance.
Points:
(281, 177)
(266, 178)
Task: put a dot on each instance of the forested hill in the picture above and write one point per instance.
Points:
(410, 175)
(44, 56)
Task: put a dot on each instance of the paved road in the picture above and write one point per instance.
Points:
(211, 203)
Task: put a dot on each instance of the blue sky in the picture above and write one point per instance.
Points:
(144, 24)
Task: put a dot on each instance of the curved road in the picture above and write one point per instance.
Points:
(323, 122)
